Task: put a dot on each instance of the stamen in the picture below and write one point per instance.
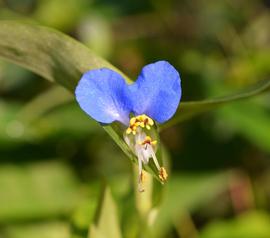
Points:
(142, 121)
(142, 125)
(141, 174)
(163, 174)
(162, 171)
(148, 140)
(154, 157)
(150, 121)
(153, 142)
(143, 146)
(132, 128)
(132, 120)
(129, 130)
(146, 121)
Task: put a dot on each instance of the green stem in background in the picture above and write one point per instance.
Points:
(185, 227)
(44, 103)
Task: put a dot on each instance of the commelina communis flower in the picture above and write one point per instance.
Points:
(153, 98)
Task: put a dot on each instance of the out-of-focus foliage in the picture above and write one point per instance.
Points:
(62, 176)
(251, 224)
(36, 190)
(107, 223)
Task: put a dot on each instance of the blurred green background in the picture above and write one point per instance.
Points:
(52, 173)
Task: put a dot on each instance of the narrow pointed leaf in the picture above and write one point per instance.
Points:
(107, 224)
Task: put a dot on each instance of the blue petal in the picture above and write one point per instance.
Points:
(157, 91)
(101, 93)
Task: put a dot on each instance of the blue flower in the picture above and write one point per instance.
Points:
(105, 96)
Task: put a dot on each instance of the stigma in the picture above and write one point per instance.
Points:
(143, 146)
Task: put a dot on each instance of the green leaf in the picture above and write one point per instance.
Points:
(55, 229)
(47, 52)
(20, 125)
(36, 191)
(95, 233)
(248, 225)
(107, 224)
(54, 56)
(188, 110)
(249, 119)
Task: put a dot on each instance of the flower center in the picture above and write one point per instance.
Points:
(143, 145)
(142, 121)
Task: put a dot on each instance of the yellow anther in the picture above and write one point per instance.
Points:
(128, 131)
(148, 140)
(153, 142)
(150, 121)
(141, 124)
(132, 120)
(142, 177)
(142, 121)
(163, 174)
(133, 124)
(131, 129)
(147, 121)
(137, 124)
(141, 117)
